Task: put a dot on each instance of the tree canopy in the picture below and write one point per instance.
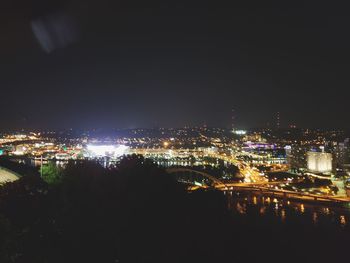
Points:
(136, 212)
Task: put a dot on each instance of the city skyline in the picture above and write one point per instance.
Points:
(174, 131)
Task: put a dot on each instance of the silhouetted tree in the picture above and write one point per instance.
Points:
(136, 212)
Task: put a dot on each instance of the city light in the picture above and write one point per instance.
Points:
(257, 156)
(240, 132)
(107, 150)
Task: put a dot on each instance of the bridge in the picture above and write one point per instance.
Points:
(250, 174)
(262, 189)
(217, 182)
(286, 194)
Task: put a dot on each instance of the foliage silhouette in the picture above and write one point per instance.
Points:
(136, 212)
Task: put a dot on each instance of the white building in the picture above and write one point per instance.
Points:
(319, 162)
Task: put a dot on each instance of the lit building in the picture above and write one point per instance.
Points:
(296, 157)
(20, 150)
(319, 162)
(107, 150)
(341, 154)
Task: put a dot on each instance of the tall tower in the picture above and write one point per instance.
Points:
(278, 123)
(233, 119)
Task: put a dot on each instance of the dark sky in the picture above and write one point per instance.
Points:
(157, 63)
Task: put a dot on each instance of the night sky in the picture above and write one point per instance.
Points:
(126, 64)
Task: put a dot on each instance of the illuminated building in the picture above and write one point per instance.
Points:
(319, 162)
(107, 150)
(341, 154)
(20, 150)
(297, 157)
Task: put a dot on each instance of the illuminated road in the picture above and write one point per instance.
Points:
(254, 181)
(251, 175)
(284, 193)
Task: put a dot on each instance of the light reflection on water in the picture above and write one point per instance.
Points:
(343, 220)
(284, 211)
(314, 217)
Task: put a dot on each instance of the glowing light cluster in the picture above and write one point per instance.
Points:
(107, 150)
(240, 132)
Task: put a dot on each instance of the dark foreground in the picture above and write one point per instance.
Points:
(137, 213)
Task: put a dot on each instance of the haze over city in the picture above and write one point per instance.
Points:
(91, 64)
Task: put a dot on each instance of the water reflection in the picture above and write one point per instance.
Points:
(288, 211)
(314, 217)
(255, 200)
(283, 215)
(342, 220)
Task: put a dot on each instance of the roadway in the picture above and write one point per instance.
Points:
(282, 193)
(254, 181)
(250, 174)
